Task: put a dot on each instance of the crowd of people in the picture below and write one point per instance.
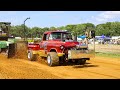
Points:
(112, 41)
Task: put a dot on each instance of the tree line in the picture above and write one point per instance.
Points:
(107, 29)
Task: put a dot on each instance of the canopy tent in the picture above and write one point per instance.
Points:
(82, 37)
(103, 36)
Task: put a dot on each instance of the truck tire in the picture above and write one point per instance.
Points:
(31, 56)
(52, 59)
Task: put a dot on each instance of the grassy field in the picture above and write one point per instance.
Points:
(107, 50)
(112, 55)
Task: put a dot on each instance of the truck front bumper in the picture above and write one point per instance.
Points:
(77, 54)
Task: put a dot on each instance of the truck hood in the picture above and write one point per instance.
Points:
(69, 44)
(66, 44)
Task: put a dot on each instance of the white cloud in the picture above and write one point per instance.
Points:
(107, 15)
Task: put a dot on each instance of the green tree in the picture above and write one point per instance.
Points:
(71, 28)
(61, 28)
(52, 28)
(80, 29)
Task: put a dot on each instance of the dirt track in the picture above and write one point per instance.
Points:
(98, 68)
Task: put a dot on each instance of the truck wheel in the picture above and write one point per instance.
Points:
(52, 59)
(81, 61)
(31, 56)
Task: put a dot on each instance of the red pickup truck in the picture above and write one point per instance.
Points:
(58, 47)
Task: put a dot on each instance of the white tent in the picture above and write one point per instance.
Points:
(115, 37)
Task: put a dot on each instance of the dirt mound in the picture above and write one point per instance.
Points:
(21, 52)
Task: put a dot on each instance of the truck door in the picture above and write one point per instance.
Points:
(43, 45)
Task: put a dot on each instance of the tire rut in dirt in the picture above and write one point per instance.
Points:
(41, 60)
(101, 74)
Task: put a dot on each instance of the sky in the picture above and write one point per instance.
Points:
(58, 18)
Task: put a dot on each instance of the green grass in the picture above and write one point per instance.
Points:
(112, 55)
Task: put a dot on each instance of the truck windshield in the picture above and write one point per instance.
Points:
(60, 36)
(55, 35)
(67, 36)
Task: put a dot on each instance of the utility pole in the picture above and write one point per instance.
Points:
(24, 27)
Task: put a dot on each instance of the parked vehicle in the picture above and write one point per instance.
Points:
(7, 42)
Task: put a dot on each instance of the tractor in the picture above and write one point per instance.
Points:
(7, 42)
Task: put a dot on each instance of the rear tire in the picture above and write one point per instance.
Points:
(52, 59)
(31, 56)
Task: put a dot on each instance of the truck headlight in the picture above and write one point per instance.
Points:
(61, 47)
